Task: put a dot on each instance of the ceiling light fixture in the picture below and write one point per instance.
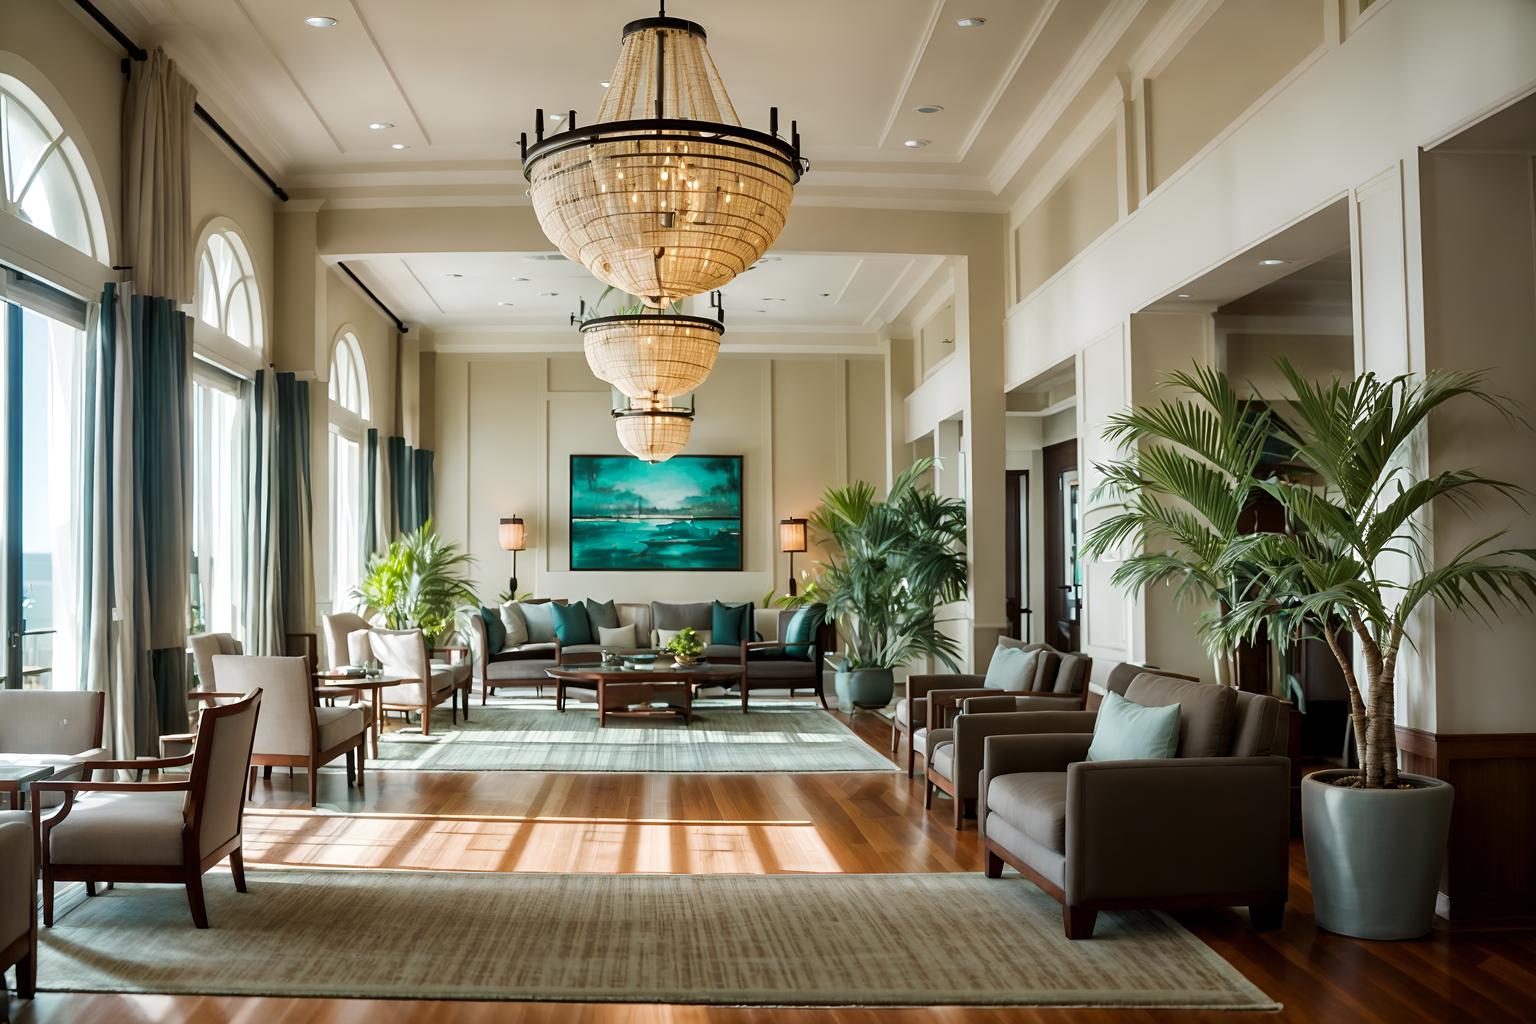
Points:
(607, 84)
(453, 275)
(664, 194)
(654, 431)
(928, 108)
(971, 22)
(1272, 263)
(398, 145)
(1185, 295)
(651, 356)
(320, 22)
(517, 280)
(504, 302)
(915, 143)
(379, 126)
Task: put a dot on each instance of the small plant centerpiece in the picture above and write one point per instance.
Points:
(889, 566)
(685, 647)
(418, 582)
(1353, 563)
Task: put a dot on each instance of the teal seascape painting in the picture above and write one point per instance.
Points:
(683, 514)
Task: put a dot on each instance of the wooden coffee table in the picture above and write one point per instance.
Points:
(619, 690)
(15, 779)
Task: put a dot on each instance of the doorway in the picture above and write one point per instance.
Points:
(1063, 573)
(1016, 548)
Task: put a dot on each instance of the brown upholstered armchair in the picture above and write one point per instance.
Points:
(1060, 684)
(952, 756)
(1207, 827)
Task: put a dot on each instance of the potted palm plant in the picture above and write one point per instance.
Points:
(1174, 505)
(889, 564)
(1358, 561)
(418, 582)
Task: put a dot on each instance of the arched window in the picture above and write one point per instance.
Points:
(349, 413)
(228, 298)
(43, 179)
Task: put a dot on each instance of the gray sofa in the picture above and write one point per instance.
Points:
(1207, 827)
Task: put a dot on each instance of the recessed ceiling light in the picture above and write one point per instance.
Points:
(556, 118)
(607, 84)
(762, 311)
(770, 259)
(517, 279)
(826, 295)
(379, 126)
(503, 303)
(1185, 295)
(1272, 263)
(320, 22)
(548, 295)
(928, 108)
(453, 275)
(398, 145)
(970, 22)
(915, 143)
(545, 257)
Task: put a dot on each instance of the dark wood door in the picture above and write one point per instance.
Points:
(1016, 550)
(1063, 581)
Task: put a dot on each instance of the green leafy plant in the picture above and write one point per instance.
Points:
(1356, 556)
(686, 644)
(889, 565)
(1174, 504)
(418, 582)
(506, 596)
(636, 307)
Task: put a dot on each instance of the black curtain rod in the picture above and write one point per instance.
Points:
(399, 325)
(137, 52)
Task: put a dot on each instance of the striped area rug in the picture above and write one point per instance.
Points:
(530, 736)
(766, 940)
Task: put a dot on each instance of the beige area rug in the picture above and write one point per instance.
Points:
(530, 736)
(770, 940)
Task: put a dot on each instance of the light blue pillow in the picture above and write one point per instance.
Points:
(1011, 669)
(541, 622)
(1127, 731)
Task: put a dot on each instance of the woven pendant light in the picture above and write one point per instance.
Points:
(651, 355)
(665, 195)
(654, 430)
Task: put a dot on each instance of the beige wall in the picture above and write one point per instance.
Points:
(1251, 360)
(1081, 208)
(1479, 237)
(1244, 49)
(507, 424)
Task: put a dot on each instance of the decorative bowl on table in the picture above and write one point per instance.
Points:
(639, 661)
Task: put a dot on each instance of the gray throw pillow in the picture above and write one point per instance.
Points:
(540, 620)
(601, 616)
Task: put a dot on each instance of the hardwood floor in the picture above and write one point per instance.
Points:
(778, 823)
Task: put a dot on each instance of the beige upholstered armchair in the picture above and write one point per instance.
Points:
(952, 756)
(203, 647)
(18, 906)
(163, 831)
(293, 731)
(349, 641)
(59, 728)
(1060, 683)
(1209, 826)
(403, 653)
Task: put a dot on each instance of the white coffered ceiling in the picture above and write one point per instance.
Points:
(460, 79)
(537, 292)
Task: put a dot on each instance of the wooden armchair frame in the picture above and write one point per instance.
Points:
(193, 864)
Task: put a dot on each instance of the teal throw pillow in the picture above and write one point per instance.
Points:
(495, 630)
(601, 616)
(1127, 731)
(1011, 669)
(571, 625)
(730, 623)
(801, 631)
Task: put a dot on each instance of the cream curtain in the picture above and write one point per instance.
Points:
(157, 175)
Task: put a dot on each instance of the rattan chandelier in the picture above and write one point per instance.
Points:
(665, 195)
(652, 355)
(653, 430)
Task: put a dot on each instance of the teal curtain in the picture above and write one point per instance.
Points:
(421, 486)
(295, 504)
(410, 484)
(93, 541)
(158, 491)
(371, 525)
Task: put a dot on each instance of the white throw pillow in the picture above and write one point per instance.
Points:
(517, 626)
(359, 649)
(617, 636)
(666, 635)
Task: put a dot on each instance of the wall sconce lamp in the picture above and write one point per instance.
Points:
(514, 538)
(792, 542)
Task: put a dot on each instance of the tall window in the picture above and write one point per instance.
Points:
(349, 420)
(227, 296)
(42, 174)
(43, 182)
(228, 341)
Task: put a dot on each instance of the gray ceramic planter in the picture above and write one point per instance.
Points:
(866, 688)
(1375, 855)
